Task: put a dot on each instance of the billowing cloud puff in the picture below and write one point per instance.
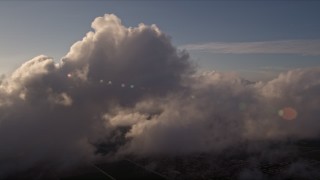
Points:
(131, 88)
(54, 112)
(141, 56)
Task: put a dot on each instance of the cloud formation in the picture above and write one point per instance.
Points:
(219, 111)
(54, 112)
(299, 47)
(132, 89)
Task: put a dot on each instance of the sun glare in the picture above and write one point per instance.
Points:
(288, 113)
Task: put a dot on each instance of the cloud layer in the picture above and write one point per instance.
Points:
(130, 88)
(299, 47)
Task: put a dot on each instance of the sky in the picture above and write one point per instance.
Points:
(257, 40)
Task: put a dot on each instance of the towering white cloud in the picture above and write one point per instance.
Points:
(55, 112)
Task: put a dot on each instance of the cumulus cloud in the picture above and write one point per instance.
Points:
(130, 87)
(299, 47)
(54, 112)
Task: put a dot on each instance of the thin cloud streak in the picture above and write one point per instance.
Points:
(298, 47)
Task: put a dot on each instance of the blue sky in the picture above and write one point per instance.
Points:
(31, 28)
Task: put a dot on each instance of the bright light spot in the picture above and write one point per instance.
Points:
(280, 112)
(22, 96)
(101, 81)
(288, 113)
(69, 75)
(131, 86)
(123, 85)
(110, 82)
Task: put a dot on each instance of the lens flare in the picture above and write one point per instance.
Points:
(288, 113)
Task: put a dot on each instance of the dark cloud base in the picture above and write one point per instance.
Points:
(129, 92)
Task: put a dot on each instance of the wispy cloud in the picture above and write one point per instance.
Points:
(276, 68)
(300, 47)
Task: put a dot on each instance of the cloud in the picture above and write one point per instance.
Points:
(130, 88)
(52, 114)
(220, 111)
(299, 47)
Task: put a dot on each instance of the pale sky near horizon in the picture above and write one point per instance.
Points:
(256, 39)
